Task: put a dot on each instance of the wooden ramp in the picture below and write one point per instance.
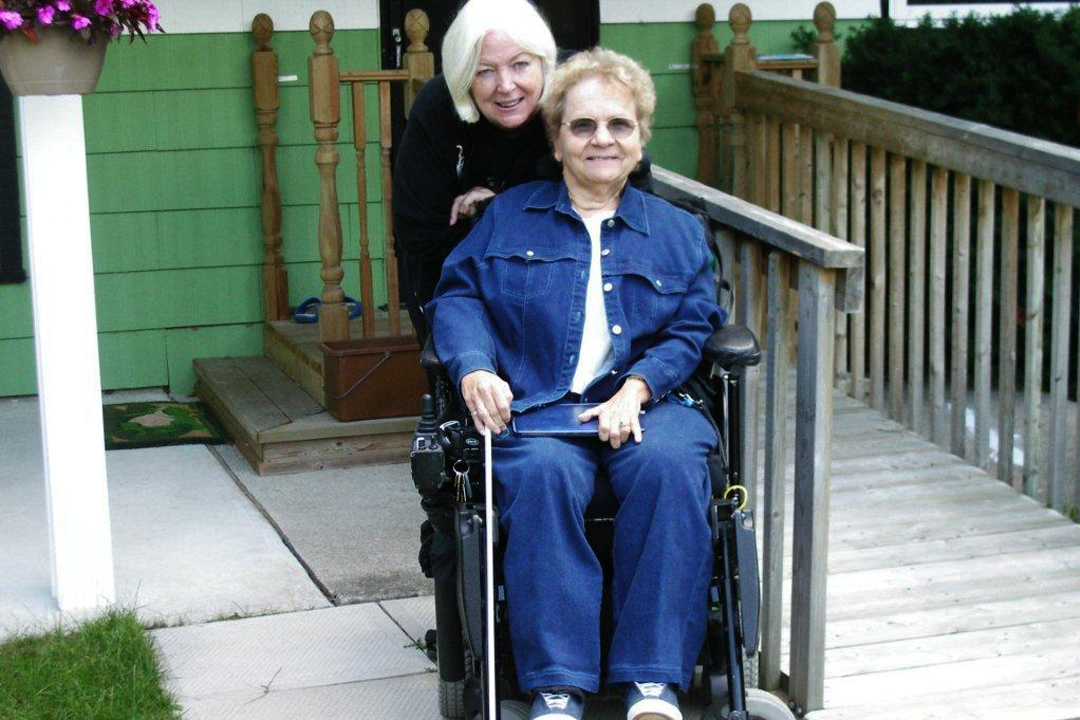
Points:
(949, 594)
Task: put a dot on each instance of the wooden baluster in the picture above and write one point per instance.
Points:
(916, 295)
(838, 203)
(791, 170)
(775, 480)
(961, 301)
(704, 84)
(1034, 486)
(1010, 259)
(772, 155)
(418, 59)
(939, 209)
(759, 169)
(813, 457)
(1059, 357)
(827, 51)
(877, 278)
(325, 115)
(748, 311)
(738, 56)
(858, 237)
(265, 85)
(367, 289)
(393, 299)
(806, 175)
(984, 289)
(897, 265)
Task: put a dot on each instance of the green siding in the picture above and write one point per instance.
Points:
(175, 179)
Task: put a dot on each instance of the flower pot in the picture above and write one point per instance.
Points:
(58, 64)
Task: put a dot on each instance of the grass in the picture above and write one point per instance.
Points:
(104, 670)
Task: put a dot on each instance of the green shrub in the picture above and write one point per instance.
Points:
(1019, 72)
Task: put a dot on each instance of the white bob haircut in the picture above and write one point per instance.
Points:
(517, 19)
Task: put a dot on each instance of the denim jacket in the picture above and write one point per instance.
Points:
(511, 299)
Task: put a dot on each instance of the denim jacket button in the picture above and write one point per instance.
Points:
(659, 284)
(611, 222)
(605, 252)
(616, 329)
(608, 286)
(530, 253)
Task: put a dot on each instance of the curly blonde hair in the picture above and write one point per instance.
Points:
(609, 65)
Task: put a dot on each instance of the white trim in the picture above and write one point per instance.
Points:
(182, 17)
(65, 338)
(900, 11)
(634, 11)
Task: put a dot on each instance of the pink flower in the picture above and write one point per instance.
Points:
(104, 7)
(63, 5)
(10, 19)
(78, 22)
(45, 14)
(127, 4)
(114, 29)
(153, 15)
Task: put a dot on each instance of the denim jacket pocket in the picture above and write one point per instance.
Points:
(651, 296)
(527, 272)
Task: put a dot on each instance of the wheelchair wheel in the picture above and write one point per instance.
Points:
(514, 710)
(760, 704)
(452, 699)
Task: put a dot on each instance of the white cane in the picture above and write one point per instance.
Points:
(489, 582)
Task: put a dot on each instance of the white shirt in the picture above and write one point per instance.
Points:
(595, 353)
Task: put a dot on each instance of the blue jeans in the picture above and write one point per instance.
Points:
(662, 555)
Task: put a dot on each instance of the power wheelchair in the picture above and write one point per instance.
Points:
(447, 468)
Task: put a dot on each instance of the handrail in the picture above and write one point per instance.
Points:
(829, 276)
(1026, 164)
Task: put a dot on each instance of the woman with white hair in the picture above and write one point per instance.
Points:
(473, 131)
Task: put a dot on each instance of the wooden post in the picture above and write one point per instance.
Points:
(984, 289)
(264, 73)
(1059, 356)
(1033, 346)
(389, 255)
(775, 482)
(367, 289)
(418, 60)
(705, 86)
(826, 49)
(325, 107)
(738, 56)
(813, 456)
(1010, 259)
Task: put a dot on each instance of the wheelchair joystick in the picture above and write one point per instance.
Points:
(427, 455)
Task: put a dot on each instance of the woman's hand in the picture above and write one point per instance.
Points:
(620, 417)
(465, 205)
(488, 398)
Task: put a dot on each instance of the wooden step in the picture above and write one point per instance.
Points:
(280, 428)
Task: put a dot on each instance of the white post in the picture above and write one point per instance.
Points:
(65, 335)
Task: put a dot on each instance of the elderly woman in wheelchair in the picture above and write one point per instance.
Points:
(591, 292)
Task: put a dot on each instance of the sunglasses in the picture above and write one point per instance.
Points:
(584, 128)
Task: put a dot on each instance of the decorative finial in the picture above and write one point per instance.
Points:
(705, 16)
(321, 28)
(417, 26)
(825, 21)
(739, 18)
(262, 27)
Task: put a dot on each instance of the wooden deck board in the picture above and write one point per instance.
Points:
(949, 594)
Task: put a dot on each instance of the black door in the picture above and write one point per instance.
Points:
(11, 267)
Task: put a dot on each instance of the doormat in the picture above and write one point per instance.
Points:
(153, 424)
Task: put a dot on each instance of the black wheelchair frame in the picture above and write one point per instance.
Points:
(447, 469)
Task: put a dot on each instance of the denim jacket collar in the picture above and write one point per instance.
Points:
(631, 208)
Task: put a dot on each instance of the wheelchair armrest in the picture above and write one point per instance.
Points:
(731, 346)
(429, 360)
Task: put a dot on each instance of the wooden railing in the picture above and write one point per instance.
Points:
(324, 81)
(950, 212)
(829, 276)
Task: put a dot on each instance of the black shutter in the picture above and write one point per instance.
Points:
(11, 263)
